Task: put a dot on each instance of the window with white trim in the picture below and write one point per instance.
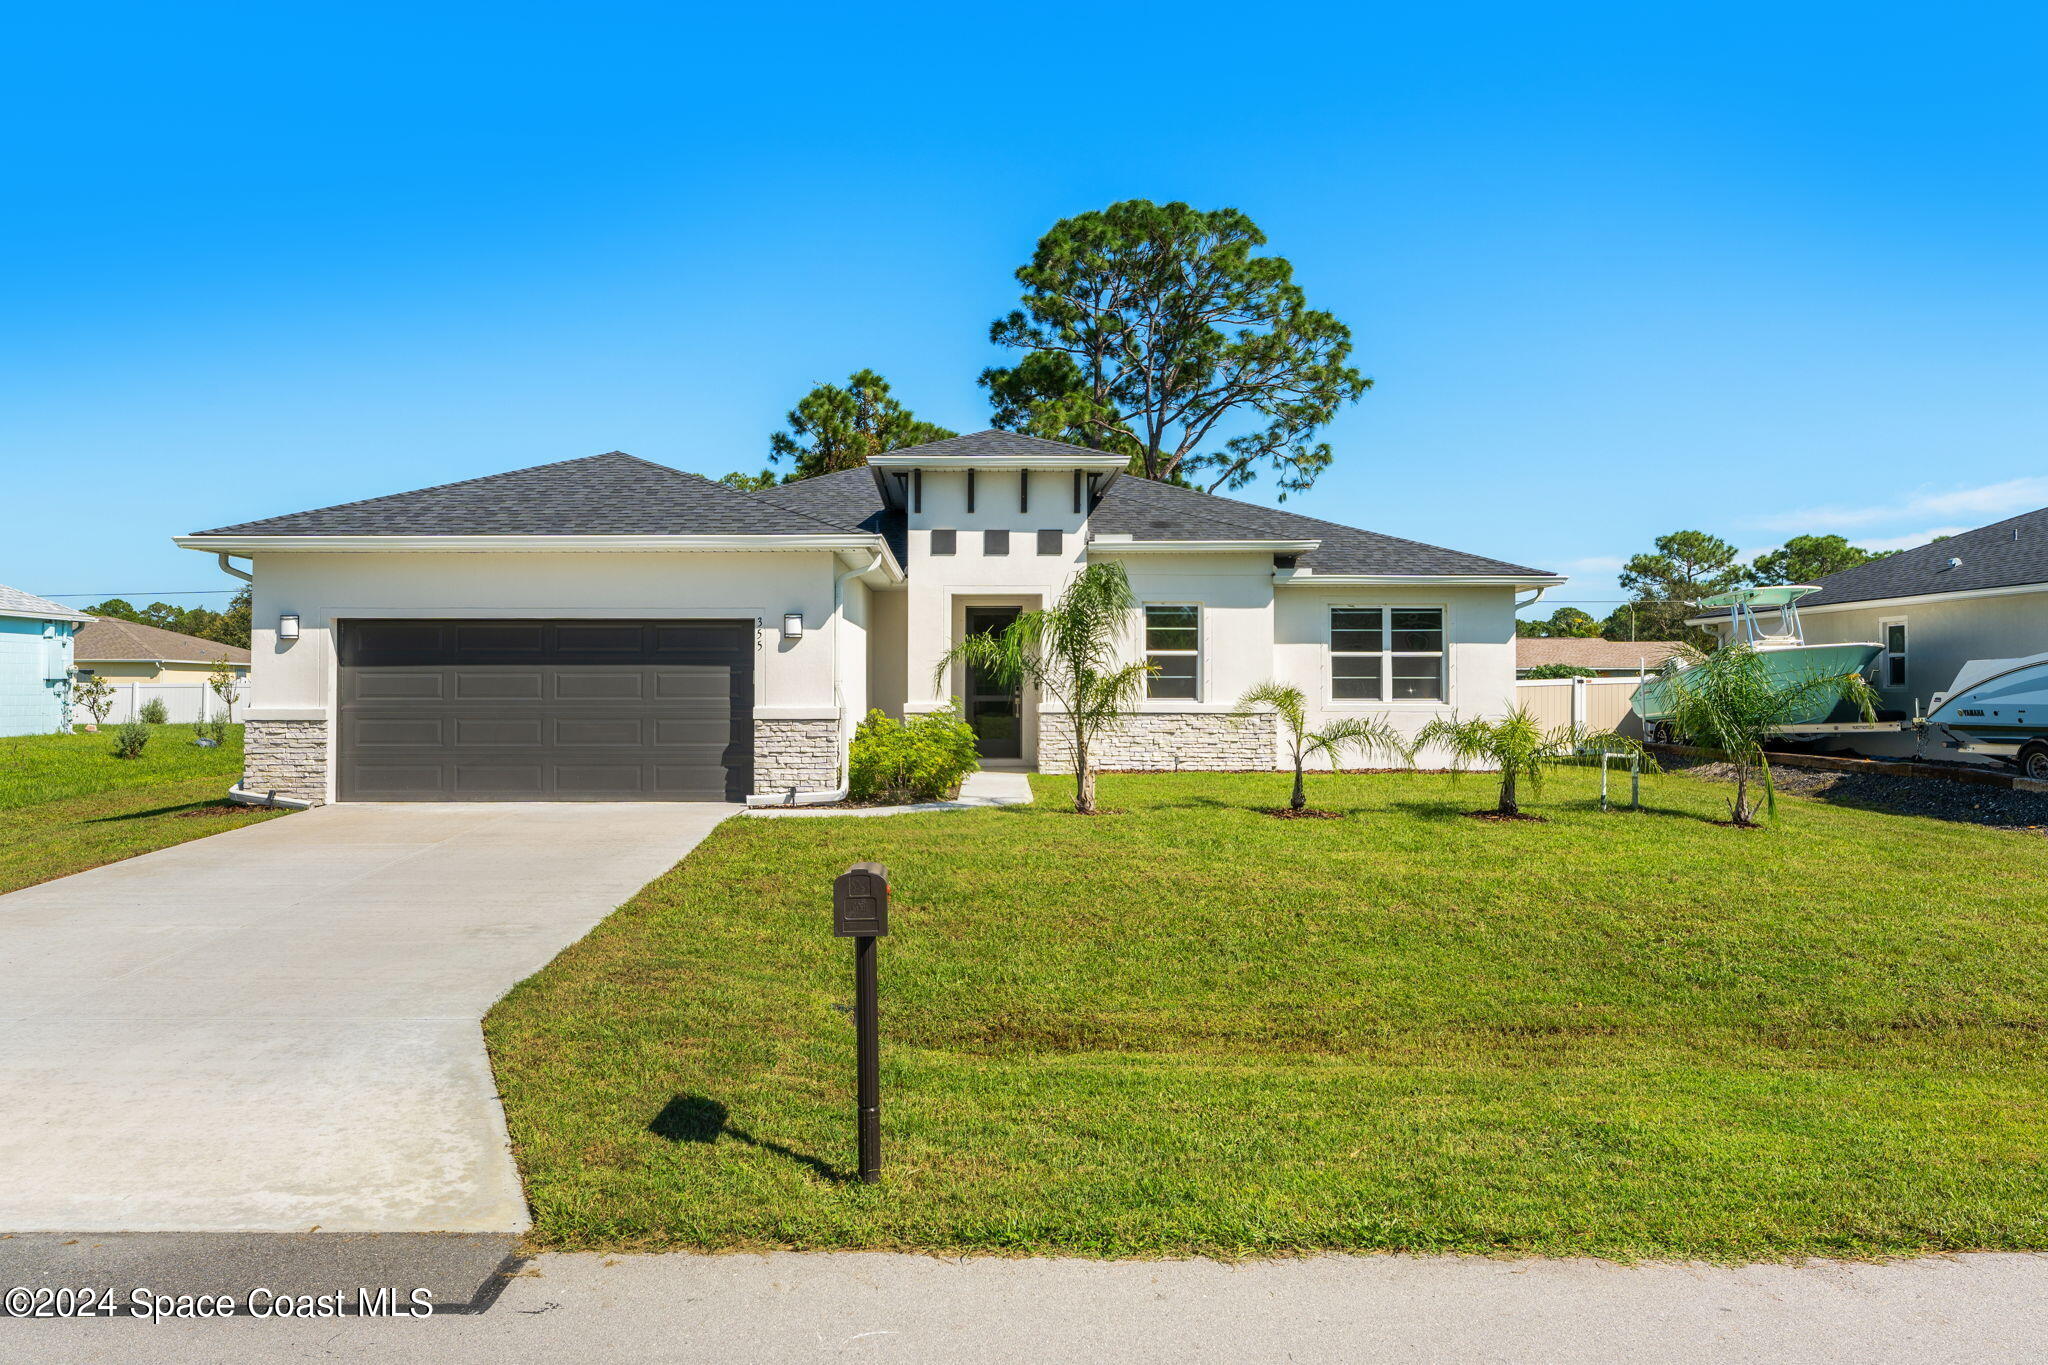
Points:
(1892, 663)
(1387, 654)
(1173, 646)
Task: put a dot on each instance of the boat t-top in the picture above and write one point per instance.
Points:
(1767, 620)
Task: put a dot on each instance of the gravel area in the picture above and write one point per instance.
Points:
(1998, 807)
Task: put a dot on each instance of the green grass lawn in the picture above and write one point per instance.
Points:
(1191, 1028)
(67, 804)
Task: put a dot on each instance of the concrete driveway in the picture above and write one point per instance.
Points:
(276, 1028)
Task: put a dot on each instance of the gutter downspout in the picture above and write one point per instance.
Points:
(793, 797)
(228, 568)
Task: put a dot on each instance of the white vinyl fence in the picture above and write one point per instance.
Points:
(181, 702)
(1590, 703)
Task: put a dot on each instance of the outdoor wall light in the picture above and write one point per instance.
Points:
(288, 626)
(792, 625)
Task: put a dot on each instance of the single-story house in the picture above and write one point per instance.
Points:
(1607, 658)
(1982, 594)
(35, 663)
(611, 629)
(128, 651)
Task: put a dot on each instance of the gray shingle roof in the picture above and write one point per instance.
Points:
(614, 494)
(2001, 555)
(996, 443)
(2005, 554)
(15, 602)
(1146, 510)
(850, 496)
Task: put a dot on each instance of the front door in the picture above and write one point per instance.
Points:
(995, 712)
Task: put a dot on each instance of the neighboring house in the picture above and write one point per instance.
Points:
(127, 651)
(611, 629)
(1982, 594)
(35, 663)
(1607, 658)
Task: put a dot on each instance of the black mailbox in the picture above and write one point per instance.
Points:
(860, 901)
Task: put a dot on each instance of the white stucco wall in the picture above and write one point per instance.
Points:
(940, 585)
(793, 679)
(1479, 642)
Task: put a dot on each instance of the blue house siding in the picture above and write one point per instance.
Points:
(31, 701)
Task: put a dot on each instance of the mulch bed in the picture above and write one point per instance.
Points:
(1497, 818)
(1966, 803)
(1307, 813)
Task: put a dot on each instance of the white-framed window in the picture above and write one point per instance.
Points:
(1891, 663)
(1387, 654)
(1173, 646)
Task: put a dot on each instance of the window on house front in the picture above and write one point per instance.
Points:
(995, 542)
(1387, 654)
(1894, 654)
(1173, 646)
(1051, 542)
(945, 542)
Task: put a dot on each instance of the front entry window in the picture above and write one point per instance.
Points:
(994, 712)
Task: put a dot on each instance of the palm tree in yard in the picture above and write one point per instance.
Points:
(1519, 747)
(1070, 652)
(1366, 735)
(1730, 700)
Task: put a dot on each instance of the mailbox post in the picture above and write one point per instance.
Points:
(860, 911)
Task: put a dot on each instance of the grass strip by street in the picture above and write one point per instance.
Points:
(67, 804)
(1192, 1029)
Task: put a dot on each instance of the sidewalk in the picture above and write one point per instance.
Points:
(870, 1307)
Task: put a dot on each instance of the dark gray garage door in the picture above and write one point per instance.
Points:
(546, 710)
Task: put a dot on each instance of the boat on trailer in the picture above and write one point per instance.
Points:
(1998, 708)
(1767, 621)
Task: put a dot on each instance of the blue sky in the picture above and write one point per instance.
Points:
(1615, 270)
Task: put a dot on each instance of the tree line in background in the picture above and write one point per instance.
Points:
(1667, 585)
(1152, 331)
(230, 627)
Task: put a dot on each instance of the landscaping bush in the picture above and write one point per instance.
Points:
(923, 761)
(130, 736)
(153, 711)
(1543, 671)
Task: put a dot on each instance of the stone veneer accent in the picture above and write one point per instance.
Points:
(795, 753)
(288, 757)
(1168, 741)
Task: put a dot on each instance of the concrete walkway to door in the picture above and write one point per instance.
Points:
(276, 1028)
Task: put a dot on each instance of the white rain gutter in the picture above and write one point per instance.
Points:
(793, 797)
(228, 568)
(241, 796)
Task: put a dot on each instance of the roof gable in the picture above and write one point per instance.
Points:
(612, 494)
(108, 638)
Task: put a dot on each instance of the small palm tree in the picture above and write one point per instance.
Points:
(1367, 735)
(1070, 652)
(1731, 700)
(1520, 747)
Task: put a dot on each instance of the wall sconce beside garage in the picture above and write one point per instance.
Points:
(792, 625)
(288, 626)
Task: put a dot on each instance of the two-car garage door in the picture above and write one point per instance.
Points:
(546, 710)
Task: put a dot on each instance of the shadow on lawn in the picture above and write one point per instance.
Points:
(183, 807)
(696, 1118)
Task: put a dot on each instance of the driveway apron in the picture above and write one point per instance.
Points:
(278, 1027)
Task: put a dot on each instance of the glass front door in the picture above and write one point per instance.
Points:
(995, 712)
